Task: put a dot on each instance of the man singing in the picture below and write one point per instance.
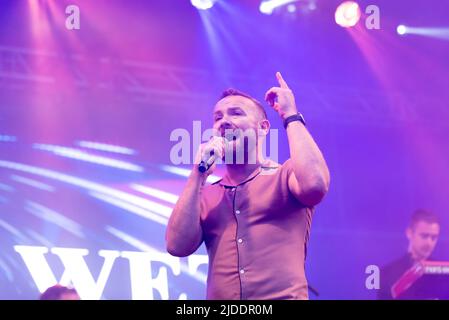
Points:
(255, 221)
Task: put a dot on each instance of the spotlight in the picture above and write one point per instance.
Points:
(401, 29)
(203, 4)
(291, 8)
(267, 6)
(347, 14)
(434, 32)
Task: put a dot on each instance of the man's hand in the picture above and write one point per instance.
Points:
(215, 144)
(281, 98)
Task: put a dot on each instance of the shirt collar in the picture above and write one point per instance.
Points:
(267, 166)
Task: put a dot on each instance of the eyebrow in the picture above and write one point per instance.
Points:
(230, 110)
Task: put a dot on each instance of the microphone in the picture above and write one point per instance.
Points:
(204, 165)
(212, 155)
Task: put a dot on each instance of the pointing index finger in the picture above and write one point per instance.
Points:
(281, 81)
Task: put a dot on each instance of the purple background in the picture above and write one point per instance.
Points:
(376, 103)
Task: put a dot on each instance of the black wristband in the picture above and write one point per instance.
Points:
(295, 117)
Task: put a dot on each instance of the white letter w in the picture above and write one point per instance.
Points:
(75, 269)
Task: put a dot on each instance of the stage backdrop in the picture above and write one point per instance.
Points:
(90, 119)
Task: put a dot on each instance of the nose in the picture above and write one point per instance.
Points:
(223, 124)
(429, 244)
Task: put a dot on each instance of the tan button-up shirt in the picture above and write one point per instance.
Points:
(256, 235)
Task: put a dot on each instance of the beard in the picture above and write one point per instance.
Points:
(240, 150)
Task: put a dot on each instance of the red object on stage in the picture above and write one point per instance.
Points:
(416, 272)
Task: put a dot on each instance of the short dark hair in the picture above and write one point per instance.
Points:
(234, 92)
(55, 292)
(423, 215)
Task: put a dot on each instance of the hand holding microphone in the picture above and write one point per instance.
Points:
(209, 152)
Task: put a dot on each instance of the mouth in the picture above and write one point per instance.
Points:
(230, 138)
(230, 135)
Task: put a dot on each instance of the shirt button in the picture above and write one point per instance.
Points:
(240, 240)
(237, 211)
(242, 271)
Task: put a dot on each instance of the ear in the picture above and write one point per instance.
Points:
(409, 233)
(264, 127)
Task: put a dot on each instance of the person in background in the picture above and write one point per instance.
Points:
(59, 292)
(422, 234)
